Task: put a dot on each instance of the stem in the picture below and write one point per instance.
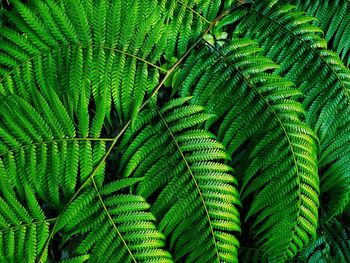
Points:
(40, 260)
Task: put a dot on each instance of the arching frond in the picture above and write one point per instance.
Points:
(108, 49)
(279, 170)
(333, 18)
(318, 251)
(116, 226)
(194, 194)
(120, 121)
(289, 39)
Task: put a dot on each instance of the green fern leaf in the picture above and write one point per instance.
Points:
(117, 222)
(234, 85)
(333, 20)
(24, 227)
(332, 245)
(193, 191)
(46, 151)
(292, 41)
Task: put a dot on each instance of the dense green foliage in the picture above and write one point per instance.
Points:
(175, 131)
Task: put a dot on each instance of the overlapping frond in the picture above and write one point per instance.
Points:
(332, 245)
(192, 192)
(289, 38)
(279, 167)
(107, 48)
(333, 18)
(74, 75)
(115, 226)
(23, 225)
(42, 147)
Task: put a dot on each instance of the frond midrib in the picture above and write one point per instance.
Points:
(194, 11)
(250, 84)
(59, 47)
(111, 219)
(211, 24)
(93, 173)
(305, 44)
(28, 224)
(116, 138)
(193, 179)
(55, 140)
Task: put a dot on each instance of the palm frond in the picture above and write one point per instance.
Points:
(194, 194)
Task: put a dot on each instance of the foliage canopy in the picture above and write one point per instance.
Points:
(175, 131)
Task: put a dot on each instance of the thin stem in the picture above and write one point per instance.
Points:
(99, 165)
(129, 122)
(83, 46)
(194, 11)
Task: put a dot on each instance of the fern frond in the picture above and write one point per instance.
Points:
(23, 228)
(131, 41)
(194, 193)
(49, 153)
(74, 76)
(128, 37)
(103, 61)
(188, 18)
(333, 19)
(115, 226)
(234, 84)
(333, 245)
(289, 38)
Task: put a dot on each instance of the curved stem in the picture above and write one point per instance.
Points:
(83, 46)
(195, 183)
